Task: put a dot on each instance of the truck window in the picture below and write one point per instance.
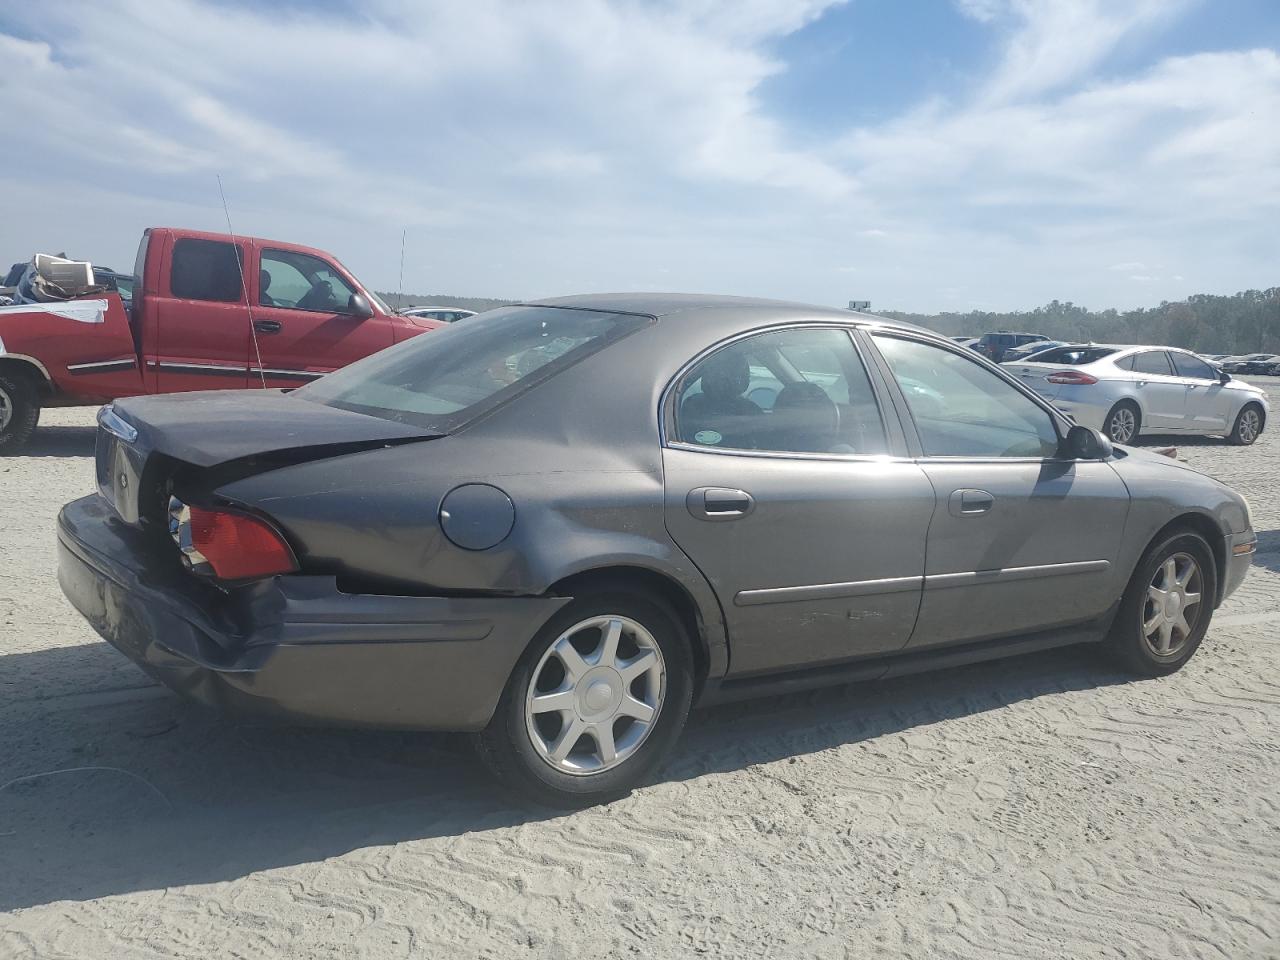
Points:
(205, 270)
(299, 281)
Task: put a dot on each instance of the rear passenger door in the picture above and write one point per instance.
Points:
(201, 337)
(1161, 392)
(788, 488)
(1021, 539)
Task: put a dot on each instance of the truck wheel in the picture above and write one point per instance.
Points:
(1248, 426)
(19, 411)
(595, 704)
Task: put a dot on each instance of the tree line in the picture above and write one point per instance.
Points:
(1246, 322)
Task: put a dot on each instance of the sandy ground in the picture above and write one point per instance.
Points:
(1039, 807)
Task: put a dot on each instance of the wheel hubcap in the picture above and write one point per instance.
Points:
(595, 695)
(1122, 425)
(1249, 426)
(1173, 605)
(6, 409)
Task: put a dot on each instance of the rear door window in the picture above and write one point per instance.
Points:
(206, 270)
(1152, 361)
(788, 391)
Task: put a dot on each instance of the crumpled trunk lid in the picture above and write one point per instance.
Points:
(216, 436)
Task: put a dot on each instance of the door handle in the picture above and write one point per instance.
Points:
(970, 503)
(719, 503)
(268, 326)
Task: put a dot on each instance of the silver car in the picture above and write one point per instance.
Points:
(1126, 391)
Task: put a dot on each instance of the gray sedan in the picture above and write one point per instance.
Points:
(559, 526)
(1126, 391)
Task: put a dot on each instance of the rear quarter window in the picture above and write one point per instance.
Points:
(205, 270)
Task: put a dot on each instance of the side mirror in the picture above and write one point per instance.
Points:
(1224, 377)
(359, 307)
(1084, 443)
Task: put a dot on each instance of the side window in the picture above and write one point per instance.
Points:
(961, 409)
(205, 270)
(1189, 366)
(299, 281)
(790, 391)
(1153, 361)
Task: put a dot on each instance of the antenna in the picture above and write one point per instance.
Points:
(253, 331)
(400, 292)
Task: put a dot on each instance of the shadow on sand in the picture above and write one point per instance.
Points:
(223, 799)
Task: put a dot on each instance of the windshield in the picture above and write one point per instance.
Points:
(442, 379)
(1072, 355)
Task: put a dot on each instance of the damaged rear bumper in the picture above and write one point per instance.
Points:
(297, 646)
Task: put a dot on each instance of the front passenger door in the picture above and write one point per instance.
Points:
(1208, 405)
(1021, 539)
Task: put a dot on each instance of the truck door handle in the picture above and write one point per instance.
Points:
(970, 503)
(268, 326)
(719, 503)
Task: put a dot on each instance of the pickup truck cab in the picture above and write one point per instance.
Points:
(208, 312)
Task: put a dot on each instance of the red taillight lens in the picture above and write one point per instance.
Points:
(1072, 376)
(238, 546)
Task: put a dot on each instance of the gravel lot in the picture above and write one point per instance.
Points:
(1039, 807)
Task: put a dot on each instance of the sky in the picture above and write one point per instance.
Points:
(925, 155)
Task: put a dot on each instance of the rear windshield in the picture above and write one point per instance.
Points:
(1072, 355)
(442, 379)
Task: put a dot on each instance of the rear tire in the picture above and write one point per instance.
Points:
(527, 744)
(1156, 630)
(19, 411)
(1248, 426)
(1123, 423)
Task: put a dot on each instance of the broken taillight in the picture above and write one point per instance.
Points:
(228, 544)
(1076, 377)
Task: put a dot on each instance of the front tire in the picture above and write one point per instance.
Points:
(19, 411)
(1248, 426)
(595, 704)
(1123, 423)
(1166, 608)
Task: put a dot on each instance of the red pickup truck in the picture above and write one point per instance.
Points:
(209, 312)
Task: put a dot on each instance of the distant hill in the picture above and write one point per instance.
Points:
(404, 300)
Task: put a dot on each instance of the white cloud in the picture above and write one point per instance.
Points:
(537, 147)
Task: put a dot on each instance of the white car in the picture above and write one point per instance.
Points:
(446, 314)
(1126, 391)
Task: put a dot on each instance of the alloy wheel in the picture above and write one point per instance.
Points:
(1250, 425)
(1172, 608)
(1123, 425)
(595, 695)
(6, 409)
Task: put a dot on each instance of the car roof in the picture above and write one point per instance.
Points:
(692, 307)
